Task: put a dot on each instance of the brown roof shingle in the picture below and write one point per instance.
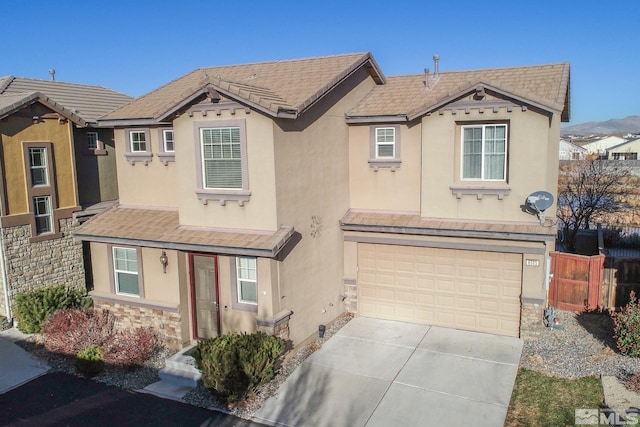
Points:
(290, 85)
(160, 228)
(407, 95)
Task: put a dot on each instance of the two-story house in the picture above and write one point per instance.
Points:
(277, 195)
(54, 161)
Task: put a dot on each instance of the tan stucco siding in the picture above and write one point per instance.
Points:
(530, 166)
(233, 320)
(259, 212)
(100, 267)
(312, 174)
(389, 189)
(18, 129)
(140, 185)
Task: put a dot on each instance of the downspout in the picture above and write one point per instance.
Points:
(5, 285)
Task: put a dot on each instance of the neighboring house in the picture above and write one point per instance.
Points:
(571, 151)
(626, 151)
(53, 161)
(601, 146)
(248, 201)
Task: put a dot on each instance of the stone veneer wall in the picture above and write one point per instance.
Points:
(531, 318)
(166, 322)
(35, 265)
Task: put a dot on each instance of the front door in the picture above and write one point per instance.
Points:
(205, 296)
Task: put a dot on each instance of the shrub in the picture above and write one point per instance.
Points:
(627, 327)
(130, 348)
(89, 362)
(234, 364)
(74, 330)
(34, 308)
(4, 323)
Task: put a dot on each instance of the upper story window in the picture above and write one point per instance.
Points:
(92, 140)
(384, 147)
(43, 214)
(38, 166)
(138, 141)
(484, 152)
(167, 138)
(221, 158)
(247, 277)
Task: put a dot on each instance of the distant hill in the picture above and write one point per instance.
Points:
(629, 124)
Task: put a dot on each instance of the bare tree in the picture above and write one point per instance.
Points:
(588, 190)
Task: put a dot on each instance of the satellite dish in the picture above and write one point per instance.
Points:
(540, 201)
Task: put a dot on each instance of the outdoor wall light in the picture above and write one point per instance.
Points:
(164, 260)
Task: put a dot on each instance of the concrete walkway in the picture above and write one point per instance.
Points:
(381, 373)
(17, 366)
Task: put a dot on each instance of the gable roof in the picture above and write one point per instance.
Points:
(622, 145)
(406, 97)
(277, 88)
(12, 103)
(86, 101)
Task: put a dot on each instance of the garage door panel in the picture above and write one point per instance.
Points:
(456, 288)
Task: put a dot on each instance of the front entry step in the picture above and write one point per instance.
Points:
(178, 376)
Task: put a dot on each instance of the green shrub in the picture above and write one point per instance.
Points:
(233, 364)
(34, 308)
(4, 323)
(627, 327)
(89, 362)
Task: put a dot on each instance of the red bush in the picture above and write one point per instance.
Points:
(130, 348)
(74, 330)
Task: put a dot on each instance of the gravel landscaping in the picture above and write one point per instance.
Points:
(584, 347)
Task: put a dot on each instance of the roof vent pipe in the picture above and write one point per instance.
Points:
(436, 58)
(52, 73)
(426, 78)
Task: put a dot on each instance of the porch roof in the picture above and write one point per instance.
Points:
(160, 228)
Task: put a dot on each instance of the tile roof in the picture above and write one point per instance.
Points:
(385, 222)
(547, 85)
(160, 228)
(271, 87)
(87, 101)
(14, 102)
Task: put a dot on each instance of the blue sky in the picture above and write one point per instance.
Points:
(136, 46)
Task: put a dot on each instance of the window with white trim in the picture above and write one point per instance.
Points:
(38, 166)
(92, 140)
(385, 143)
(138, 141)
(125, 271)
(167, 138)
(484, 152)
(42, 213)
(221, 158)
(247, 277)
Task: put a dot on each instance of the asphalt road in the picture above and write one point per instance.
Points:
(59, 399)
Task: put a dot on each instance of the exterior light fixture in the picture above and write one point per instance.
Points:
(164, 260)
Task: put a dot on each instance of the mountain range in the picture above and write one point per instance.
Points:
(629, 124)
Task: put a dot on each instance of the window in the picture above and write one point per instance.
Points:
(125, 269)
(38, 166)
(221, 159)
(167, 137)
(484, 152)
(42, 213)
(92, 140)
(247, 280)
(385, 143)
(138, 140)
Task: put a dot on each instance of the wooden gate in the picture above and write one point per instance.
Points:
(576, 281)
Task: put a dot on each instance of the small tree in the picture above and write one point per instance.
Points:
(587, 190)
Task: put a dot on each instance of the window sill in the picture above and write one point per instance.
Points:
(479, 191)
(165, 157)
(139, 302)
(96, 152)
(143, 157)
(223, 196)
(392, 164)
(45, 237)
(244, 306)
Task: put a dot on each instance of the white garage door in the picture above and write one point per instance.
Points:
(473, 290)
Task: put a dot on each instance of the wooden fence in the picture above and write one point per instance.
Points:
(576, 281)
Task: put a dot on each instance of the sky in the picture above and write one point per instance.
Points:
(136, 46)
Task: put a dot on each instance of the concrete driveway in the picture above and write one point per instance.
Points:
(380, 373)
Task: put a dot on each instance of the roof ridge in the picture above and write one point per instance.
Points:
(515, 67)
(277, 61)
(67, 83)
(7, 81)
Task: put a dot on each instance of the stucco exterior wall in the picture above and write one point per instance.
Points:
(96, 173)
(140, 185)
(259, 213)
(312, 175)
